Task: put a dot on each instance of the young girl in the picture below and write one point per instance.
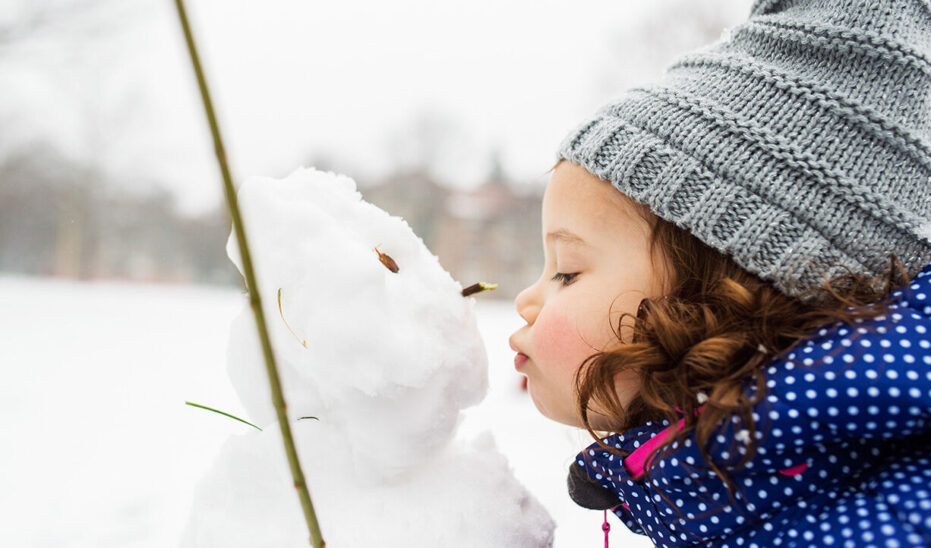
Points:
(745, 328)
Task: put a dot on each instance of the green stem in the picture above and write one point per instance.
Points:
(222, 413)
(229, 190)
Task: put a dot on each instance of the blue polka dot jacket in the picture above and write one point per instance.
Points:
(844, 454)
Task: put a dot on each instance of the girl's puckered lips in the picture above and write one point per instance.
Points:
(520, 359)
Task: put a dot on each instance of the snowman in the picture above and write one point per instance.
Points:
(378, 353)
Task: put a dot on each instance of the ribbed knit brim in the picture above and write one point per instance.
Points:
(799, 144)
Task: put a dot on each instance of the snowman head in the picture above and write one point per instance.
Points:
(371, 335)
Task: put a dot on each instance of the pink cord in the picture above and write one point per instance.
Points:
(606, 528)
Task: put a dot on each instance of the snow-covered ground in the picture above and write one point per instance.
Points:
(101, 451)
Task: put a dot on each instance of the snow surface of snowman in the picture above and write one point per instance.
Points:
(384, 360)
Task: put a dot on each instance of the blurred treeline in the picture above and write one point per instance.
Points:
(64, 219)
(70, 218)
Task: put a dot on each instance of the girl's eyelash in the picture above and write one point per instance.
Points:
(566, 278)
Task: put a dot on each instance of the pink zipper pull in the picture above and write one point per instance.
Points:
(606, 528)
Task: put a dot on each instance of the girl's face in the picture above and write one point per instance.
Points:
(598, 265)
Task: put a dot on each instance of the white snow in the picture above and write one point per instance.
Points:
(99, 449)
(385, 360)
(103, 452)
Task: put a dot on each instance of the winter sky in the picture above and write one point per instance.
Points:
(364, 85)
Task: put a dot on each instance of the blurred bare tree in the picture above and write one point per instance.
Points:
(641, 52)
(25, 20)
(60, 218)
(62, 214)
(427, 140)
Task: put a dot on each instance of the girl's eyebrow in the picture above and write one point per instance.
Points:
(566, 236)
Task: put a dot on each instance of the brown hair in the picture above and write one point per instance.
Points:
(718, 326)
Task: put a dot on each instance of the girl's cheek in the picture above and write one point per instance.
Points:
(554, 337)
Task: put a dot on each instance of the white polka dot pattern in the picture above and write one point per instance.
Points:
(844, 454)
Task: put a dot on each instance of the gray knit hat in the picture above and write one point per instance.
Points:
(800, 144)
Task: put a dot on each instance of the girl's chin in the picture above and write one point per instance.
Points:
(569, 419)
(541, 408)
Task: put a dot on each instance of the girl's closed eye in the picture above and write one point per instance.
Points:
(566, 278)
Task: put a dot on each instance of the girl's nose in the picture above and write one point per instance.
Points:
(526, 304)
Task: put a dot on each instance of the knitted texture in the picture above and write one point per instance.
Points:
(799, 144)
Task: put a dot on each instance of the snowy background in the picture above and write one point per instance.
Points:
(99, 448)
(101, 451)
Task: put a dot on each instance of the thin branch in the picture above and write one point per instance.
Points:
(316, 538)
